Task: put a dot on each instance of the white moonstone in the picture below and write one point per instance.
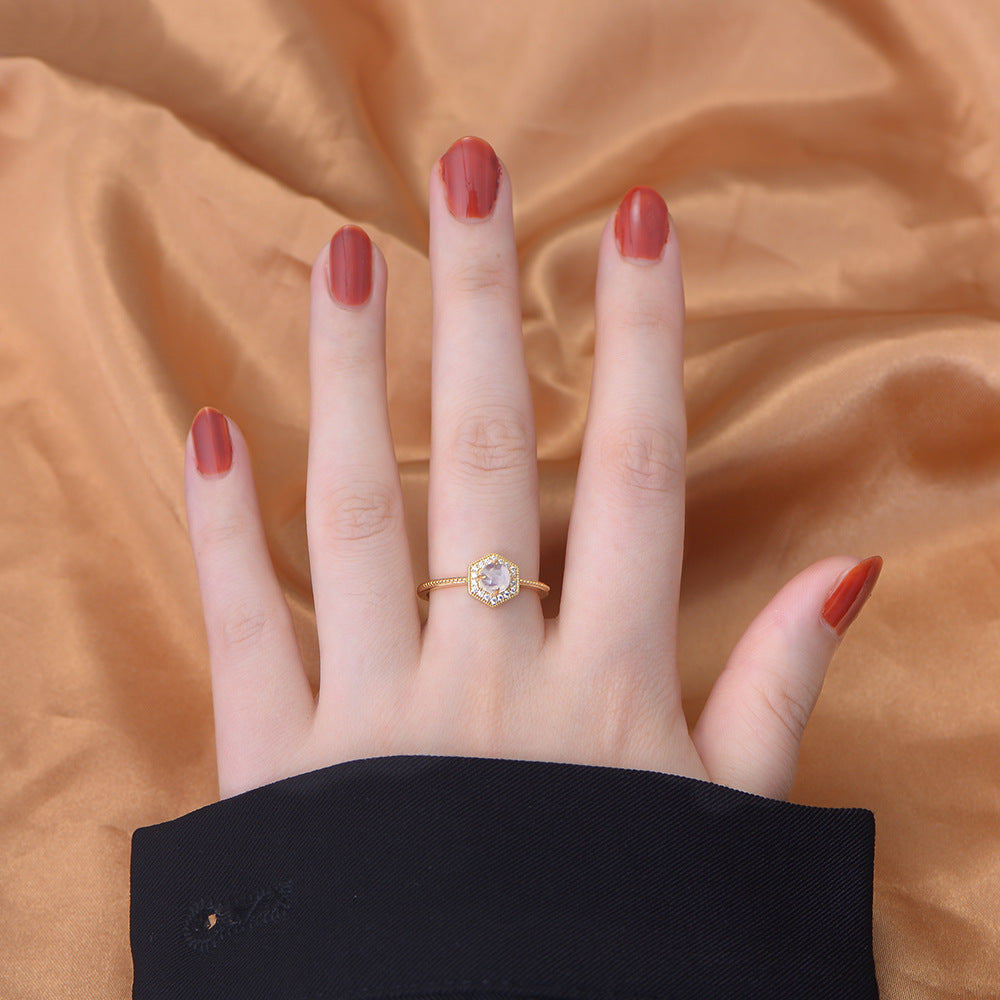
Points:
(494, 577)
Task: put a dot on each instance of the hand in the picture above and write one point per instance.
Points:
(599, 684)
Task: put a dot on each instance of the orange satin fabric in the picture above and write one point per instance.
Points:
(169, 170)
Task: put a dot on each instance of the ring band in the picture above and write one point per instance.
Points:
(491, 579)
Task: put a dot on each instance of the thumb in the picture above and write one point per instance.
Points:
(749, 732)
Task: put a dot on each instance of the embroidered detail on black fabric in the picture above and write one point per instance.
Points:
(211, 921)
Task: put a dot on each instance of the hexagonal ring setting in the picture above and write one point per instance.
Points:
(492, 579)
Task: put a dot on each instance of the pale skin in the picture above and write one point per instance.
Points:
(597, 685)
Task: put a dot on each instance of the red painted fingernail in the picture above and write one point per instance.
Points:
(351, 266)
(471, 173)
(843, 605)
(213, 449)
(642, 224)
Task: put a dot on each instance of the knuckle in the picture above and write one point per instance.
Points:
(496, 440)
(646, 317)
(348, 351)
(359, 511)
(245, 626)
(644, 459)
(481, 274)
(352, 361)
(791, 709)
(222, 533)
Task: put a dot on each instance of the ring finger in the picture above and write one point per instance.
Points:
(483, 481)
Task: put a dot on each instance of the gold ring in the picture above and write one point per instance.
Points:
(492, 580)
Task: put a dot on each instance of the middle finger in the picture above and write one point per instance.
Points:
(483, 479)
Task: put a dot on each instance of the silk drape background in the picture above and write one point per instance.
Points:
(168, 171)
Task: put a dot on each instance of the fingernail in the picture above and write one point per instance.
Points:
(642, 224)
(213, 449)
(351, 266)
(471, 173)
(849, 597)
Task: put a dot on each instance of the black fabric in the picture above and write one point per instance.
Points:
(417, 876)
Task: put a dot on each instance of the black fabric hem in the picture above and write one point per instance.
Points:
(418, 876)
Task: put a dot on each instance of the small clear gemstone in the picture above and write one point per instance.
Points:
(494, 577)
